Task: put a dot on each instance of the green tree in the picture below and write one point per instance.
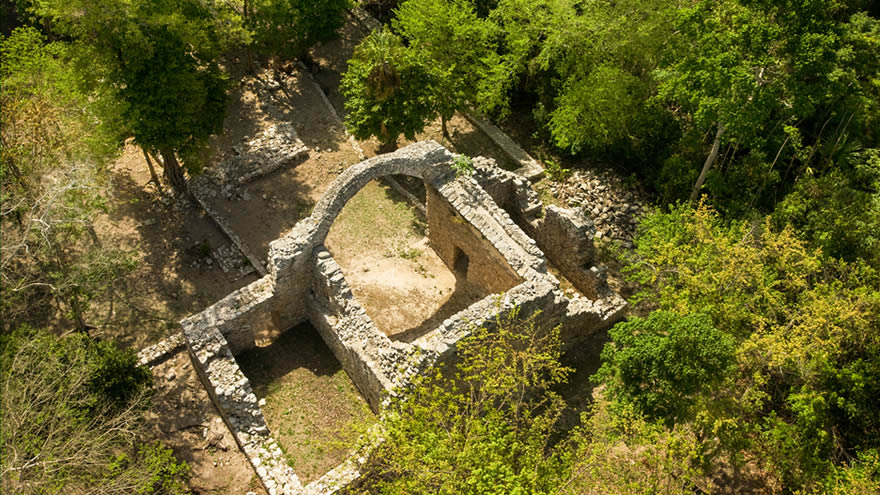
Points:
(386, 90)
(54, 148)
(771, 80)
(160, 58)
(287, 28)
(661, 364)
(487, 430)
(604, 56)
(803, 395)
(840, 210)
(73, 419)
(454, 47)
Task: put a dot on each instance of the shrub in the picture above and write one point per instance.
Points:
(662, 363)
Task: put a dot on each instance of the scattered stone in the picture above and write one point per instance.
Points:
(603, 196)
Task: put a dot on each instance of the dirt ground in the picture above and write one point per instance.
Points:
(275, 202)
(312, 407)
(175, 275)
(405, 288)
(184, 418)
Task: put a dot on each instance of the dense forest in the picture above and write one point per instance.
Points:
(751, 358)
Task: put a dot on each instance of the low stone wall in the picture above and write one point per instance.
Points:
(239, 314)
(157, 353)
(440, 344)
(231, 393)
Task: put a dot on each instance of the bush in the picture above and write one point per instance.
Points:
(803, 394)
(662, 363)
(487, 430)
(839, 212)
(289, 27)
(72, 416)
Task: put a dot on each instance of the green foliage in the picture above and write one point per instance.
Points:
(289, 27)
(72, 413)
(661, 364)
(454, 47)
(618, 451)
(806, 330)
(485, 431)
(780, 79)
(55, 143)
(386, 90)
(862, 475)
(167, 474)
(840, 211)
(160, 61)
(555, 171)
(462, 165)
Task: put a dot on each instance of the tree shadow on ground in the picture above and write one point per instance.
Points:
(577, 392)
(172, 278)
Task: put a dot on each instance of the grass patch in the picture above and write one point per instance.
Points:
(312, 407)
(377, 219)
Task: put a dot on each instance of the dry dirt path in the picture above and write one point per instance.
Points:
(183, 418)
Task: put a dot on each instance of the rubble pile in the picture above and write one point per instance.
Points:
(614, 208)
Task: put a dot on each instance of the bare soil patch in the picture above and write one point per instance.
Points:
(266, 208)
(183, 417)
(312, 407)
(176, 275)
(380, 243)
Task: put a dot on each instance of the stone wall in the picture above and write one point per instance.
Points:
(238, 315)
(370, 358)
(465, 250)
(566, 237)
(305, 283)
(231, 393)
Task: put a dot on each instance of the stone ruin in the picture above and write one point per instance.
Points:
(489, 227)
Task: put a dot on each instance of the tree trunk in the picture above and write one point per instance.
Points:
(72, 298)
(443, 126)
(709, 161)
(77, 313)
(173, 171)
(93, 235)
(154, 177)
(387, 143)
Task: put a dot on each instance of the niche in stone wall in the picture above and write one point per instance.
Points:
(460, 263)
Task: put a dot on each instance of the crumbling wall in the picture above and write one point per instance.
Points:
(566, 237)
(304, 282)
(231, 392)
(369, 357)
(238, 315)
(464, 249)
